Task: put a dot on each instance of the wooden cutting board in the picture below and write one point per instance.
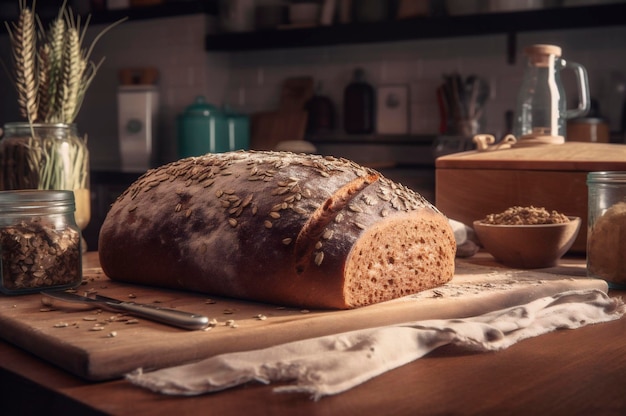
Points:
(64, 335)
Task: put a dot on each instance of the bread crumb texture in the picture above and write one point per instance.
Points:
(400, 257)
(276, 227)
(606, 247)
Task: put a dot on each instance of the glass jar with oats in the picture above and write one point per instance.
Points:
(40, 243)
(606, 233)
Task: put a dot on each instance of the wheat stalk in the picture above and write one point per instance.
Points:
(44, 93)
(71, 75)
(51, 82)
(23, 39)
(55, 43)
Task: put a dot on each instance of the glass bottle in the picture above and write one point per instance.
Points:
(358, 105)
(321, 113)
(46, 156)
(606, 229)
(541, 110)
(40, 243)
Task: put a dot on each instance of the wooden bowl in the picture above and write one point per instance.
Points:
(528, 246)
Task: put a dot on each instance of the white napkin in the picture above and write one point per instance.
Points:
(332, 364)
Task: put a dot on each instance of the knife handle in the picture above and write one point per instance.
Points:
(168, 316)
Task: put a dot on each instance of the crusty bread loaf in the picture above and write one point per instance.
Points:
(277, 227)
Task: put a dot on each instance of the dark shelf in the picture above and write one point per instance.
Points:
(167, 9)
(380, 139)
(422, 28)
(49, 9)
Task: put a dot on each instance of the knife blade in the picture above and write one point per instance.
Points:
(156, 313)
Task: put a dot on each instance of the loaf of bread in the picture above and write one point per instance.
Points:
(277, 227)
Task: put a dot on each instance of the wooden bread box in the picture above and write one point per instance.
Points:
(470, 185)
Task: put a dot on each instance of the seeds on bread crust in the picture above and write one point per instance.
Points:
(295, 206)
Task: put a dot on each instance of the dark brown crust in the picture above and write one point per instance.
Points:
(252, 225)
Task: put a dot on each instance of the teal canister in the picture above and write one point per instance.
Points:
(202, 128)
(238, 130)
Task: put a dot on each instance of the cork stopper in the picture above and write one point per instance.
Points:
(541, 49)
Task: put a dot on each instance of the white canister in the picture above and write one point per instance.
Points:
(137, 116)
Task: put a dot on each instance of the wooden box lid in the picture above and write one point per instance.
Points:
(569, 156)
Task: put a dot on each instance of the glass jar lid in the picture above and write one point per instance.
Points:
(28, 200)
(607, 177)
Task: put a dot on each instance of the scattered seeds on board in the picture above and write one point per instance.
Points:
(304, 311)
(61, 325)
(261, 317)
(231, 323)
(132, 321)
(112, 334)
(90, 318)
(210, 302)
(96, 328)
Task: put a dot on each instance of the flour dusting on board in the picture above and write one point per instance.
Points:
(476, 279)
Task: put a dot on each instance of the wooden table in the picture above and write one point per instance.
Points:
(572, 372)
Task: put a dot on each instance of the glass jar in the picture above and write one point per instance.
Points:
(46, 156)
(606, 232)
(40, 243)
(541, 109)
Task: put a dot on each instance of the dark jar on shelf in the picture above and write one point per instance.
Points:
(40, 243)
(321, 111)
(358, 105)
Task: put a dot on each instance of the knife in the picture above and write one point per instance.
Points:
(160, 314)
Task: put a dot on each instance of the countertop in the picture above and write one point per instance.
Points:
(571, 372)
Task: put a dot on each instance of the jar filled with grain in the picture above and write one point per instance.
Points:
(40, 243)
(606, 233)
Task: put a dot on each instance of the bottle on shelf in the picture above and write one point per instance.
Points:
(358, 105)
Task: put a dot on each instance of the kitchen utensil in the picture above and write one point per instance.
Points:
(588, 129)
(156, 313)
(238, 129)
(202, 128)
(528, 246)
(137, 107)
(541, 110)
(464, 101)
(269, 128)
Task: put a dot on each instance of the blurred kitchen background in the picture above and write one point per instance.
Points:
(239, 55)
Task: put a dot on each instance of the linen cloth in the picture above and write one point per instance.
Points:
(333, 364)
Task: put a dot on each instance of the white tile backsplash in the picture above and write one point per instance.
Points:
(250, 81)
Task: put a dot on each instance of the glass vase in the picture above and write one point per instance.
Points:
(47, 157)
